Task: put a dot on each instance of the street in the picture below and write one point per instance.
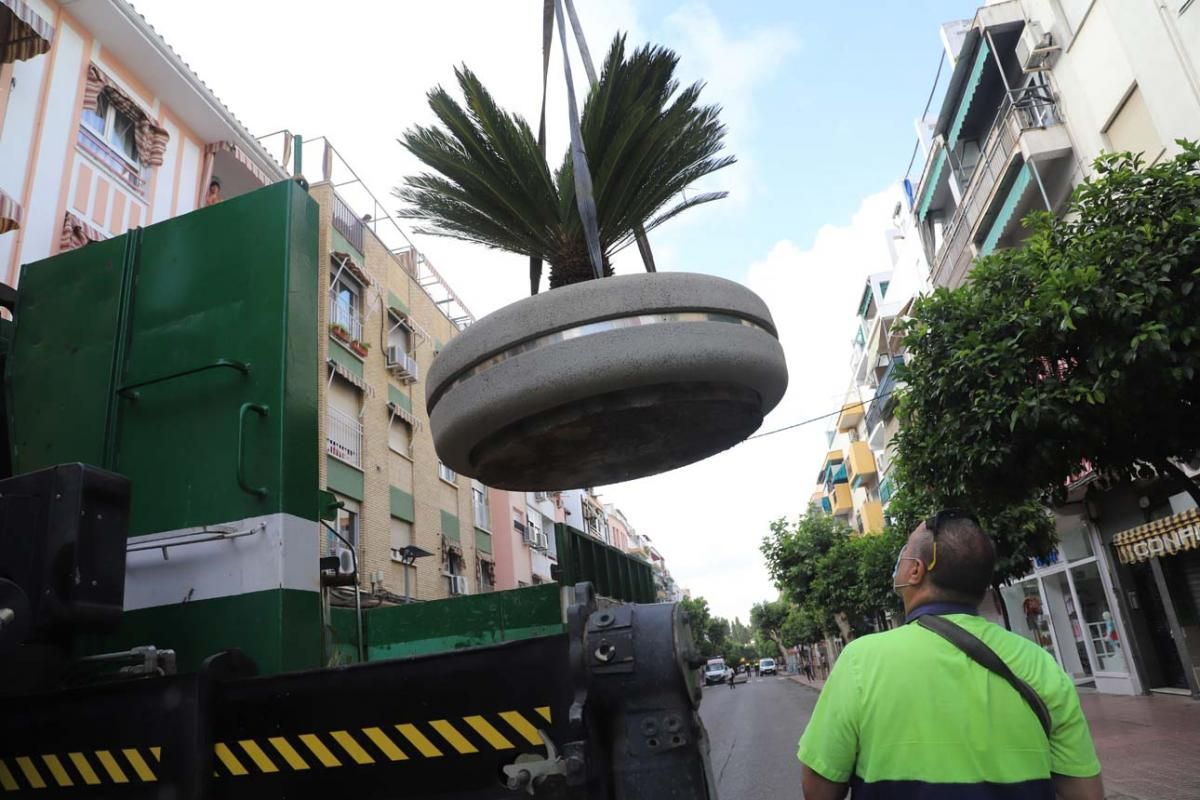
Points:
(754, 729)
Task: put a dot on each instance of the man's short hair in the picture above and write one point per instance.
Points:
(966, 559)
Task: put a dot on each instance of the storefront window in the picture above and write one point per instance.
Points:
(1074, 542)
(1101, 629)
(1024, 606)
(1068, 626)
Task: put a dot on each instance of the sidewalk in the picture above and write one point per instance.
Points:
(1148, 746)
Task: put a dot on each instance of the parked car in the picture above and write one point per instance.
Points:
(766, 666)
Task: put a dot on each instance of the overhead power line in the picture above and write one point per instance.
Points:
(928, 102)
(811, 420)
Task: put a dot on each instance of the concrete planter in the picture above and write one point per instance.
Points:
(605, 381)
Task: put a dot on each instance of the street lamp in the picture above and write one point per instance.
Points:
(408, 557)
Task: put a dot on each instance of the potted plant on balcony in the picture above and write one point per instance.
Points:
(339, 331)
(660, 369)
(360, 348)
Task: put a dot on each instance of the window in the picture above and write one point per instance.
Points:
(1133, 130)
(479, 502)
(454, 569)
(346, 524)
(400, 437)
(402, 536)
(447, 474)
(487, 576)
(345, 292)
(398, 335)
(115, 129)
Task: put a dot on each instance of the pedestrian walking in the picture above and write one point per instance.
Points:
(808, 670)
(948, 705)
(824, 663)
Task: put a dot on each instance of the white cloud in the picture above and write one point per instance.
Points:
(708, 518)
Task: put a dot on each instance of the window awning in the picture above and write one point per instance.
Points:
(76, 233)
(1162, 537)
(10, 213)
(151, 137)
(935, 175)
(242, 158)
(28, 34)
(343, 262)
(399, 411)
(1011, 201)
(964, 103)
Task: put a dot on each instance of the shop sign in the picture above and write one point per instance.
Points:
(1162, 537)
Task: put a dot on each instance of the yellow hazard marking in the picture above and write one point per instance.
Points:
(492, 736)
(522, 726)
(111, 766)
(385, 744)
(229, 759)
(157, 753)
(6, 778)
(31, 774)
(256, 754)
(84, 768)
(139, 765)
(544, 711)
(423, 745)
(352, 748)
(320, 750)
(289, 754)
(60, 774)
(451, 735)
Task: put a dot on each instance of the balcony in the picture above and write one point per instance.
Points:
(344, 316)
(884, 403)
(869, 517)
(835, 474)
(887, 490)
(343, 438)
(348, 224)
(1028, 123)
(862, 465)
(851, 415)
(838, 498)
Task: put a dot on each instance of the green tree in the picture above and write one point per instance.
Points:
(1079, 349)
(698, 614)
(768, 619)
(646, 141)
(803, 625)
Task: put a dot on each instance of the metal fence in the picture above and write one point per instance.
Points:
(347, 223)
(343, 438)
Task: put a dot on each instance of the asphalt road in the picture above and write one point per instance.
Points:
(754, 728)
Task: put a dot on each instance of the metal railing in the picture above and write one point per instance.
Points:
(483, 517)
(883, 401)
(346, 316)
(344, 437)
(347, 223)
(1023, 109)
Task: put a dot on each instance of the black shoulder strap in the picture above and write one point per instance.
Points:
(982, 654)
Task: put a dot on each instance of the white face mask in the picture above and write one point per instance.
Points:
(896, 571)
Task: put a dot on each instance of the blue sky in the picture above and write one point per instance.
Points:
(819, 98)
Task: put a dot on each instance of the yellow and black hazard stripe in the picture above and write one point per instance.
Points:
(79, 768)
(382, 743)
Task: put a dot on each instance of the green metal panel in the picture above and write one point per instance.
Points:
(450, 526)
(443, 625)
(1005, 215)
(403, 506)
(137, 338)
(343, 478)
(342, 245)
(339, 353)
(964, 103)
(614, 573)
(395, 302)
(483, 541)
(397, 396)
(275, 628)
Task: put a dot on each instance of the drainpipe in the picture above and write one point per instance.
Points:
(1037, 175)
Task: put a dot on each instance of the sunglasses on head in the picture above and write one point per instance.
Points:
(934, 525)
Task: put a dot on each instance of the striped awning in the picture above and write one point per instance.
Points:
(964, 103)
(10, 213)
(242, 158)
(404, 414)
(1162, 537)
(935, 175)
(1015, 193)
(28, 34)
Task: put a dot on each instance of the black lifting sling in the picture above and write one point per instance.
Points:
(982, 654)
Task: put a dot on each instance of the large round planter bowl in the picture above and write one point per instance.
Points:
(605, 381)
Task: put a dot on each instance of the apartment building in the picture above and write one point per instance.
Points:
(104, 128)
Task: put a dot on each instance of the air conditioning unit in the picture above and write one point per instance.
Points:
(539, 496)
(1036, 50)
(542, 543)
(459, 585)
(402, 365)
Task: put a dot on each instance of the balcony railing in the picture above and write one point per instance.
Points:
(345, 315)
(1025, 109)
(343, 438)
(347, 223)
(885, 400)
(482, 515)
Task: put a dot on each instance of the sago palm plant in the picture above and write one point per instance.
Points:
(646, 142)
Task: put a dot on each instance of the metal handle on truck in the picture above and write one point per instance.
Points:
(261, 410)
